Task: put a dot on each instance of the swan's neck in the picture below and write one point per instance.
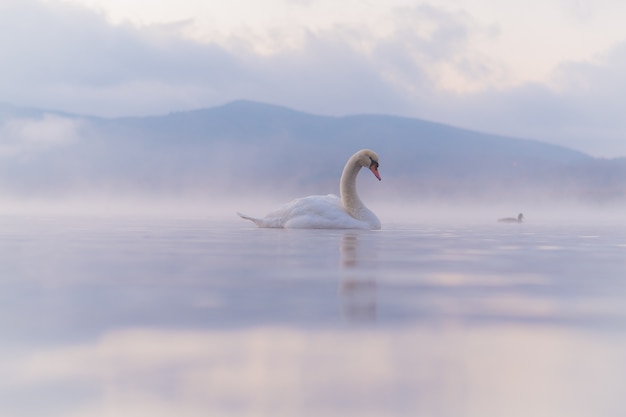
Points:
(347, 188)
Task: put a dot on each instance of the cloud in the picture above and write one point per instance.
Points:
(22, 136)
(580, 107)
(425, 63)
(64, 56)
(77, 60)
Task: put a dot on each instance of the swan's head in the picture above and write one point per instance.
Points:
(369, 159)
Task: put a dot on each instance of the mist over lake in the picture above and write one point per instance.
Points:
(246, 149)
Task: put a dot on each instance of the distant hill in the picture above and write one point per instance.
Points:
(252, 147)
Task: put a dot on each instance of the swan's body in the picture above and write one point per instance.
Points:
(518, 219)
(329, 211)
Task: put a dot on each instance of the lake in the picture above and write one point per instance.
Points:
(165, 316)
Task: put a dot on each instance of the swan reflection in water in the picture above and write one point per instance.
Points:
(357, 286)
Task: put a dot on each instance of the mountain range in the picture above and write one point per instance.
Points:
(251, 147)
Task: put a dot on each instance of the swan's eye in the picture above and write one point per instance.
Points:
(373, 163)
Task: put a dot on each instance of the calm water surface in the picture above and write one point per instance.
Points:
(200, 317)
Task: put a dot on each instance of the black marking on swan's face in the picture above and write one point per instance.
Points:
(374, 167)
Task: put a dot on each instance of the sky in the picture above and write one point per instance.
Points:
(552, 70)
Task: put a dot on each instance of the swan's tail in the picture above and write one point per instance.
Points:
(270, 223)
(258, 222)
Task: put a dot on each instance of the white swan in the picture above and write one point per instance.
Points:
(519, 219)
(329, 211)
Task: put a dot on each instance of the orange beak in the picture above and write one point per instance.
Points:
(374, 170)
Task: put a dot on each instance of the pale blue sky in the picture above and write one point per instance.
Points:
(553, 70)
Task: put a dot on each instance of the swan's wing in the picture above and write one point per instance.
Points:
(298, 213)
(321, 212)
(312, 212)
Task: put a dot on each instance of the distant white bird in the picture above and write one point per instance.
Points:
(329, 211)
(518, 219)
